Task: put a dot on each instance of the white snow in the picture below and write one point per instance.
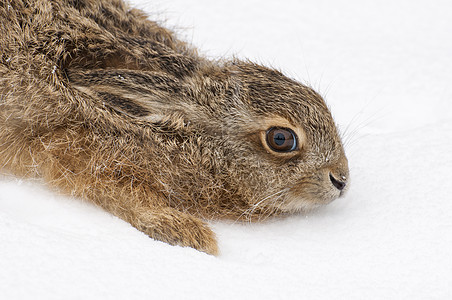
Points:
(385, 68)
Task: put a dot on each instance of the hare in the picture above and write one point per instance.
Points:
(110, 107)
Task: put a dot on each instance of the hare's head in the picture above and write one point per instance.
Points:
(278, 140)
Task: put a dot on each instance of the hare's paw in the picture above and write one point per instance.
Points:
(177, 228)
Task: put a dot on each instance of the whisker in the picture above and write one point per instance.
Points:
(250, 211)
(269, 209)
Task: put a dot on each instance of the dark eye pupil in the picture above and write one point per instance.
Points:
(281, 139)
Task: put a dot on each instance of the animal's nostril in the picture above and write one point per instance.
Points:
(340, 185)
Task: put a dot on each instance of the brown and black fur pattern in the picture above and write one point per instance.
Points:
(108, 106)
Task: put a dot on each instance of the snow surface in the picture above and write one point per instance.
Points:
(385, 68)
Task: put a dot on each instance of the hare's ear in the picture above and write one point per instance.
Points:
(140, 94)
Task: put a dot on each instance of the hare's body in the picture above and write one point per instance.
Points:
(108, 106)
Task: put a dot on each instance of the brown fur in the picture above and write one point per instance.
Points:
(108, 106)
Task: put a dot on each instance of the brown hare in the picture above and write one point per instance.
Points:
(108, 106)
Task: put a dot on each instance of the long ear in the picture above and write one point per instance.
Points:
(140, 94)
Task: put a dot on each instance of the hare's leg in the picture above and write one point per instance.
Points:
(145, 210)
(137, 204)
(175, 228)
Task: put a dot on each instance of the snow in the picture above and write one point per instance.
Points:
(385, 68)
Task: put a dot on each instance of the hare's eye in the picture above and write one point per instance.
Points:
(281, 139)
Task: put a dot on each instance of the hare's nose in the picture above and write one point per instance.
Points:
(339, 184)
